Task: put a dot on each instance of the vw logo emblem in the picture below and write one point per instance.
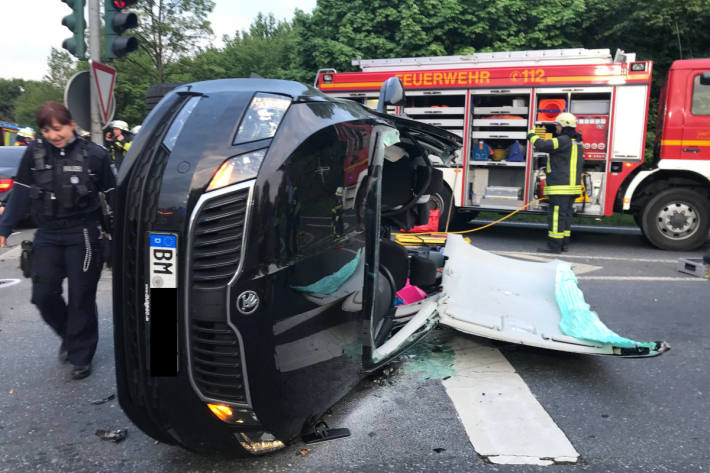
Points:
(247, 302)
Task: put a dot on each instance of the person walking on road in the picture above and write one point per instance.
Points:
(60, 177)
(563, 179)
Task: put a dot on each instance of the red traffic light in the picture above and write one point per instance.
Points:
(121, 4)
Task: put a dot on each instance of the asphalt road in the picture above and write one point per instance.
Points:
(619, 414)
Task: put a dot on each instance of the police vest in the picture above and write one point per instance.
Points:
(63, 187)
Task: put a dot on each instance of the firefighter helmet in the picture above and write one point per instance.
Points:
(120, 124)
(135, 129)
(26, 132)
(566, 119)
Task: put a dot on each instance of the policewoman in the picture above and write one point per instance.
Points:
(60, 177)
(563, 179)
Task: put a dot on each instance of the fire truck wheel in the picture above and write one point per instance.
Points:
(676, 219)
(441, 200)
(638, 220)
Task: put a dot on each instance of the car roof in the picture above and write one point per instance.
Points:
(299, 92)
(10, 157)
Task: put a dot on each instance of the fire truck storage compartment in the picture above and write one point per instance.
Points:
(499, 118)
(496, 187)
(442, 108)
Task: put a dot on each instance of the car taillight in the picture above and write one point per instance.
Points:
(5, 185)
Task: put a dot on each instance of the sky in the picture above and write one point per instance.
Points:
(26, 40)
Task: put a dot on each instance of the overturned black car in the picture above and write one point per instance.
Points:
(254, 277)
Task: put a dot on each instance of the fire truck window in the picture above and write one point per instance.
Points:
(701, 97)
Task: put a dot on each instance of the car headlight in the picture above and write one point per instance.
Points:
(262, 117)
(237, 169)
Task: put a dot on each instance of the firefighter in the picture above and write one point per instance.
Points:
(60, 178)
(118, 140)
(25, 136)
(563, 178)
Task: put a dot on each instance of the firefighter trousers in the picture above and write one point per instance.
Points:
(73, 254)
(559, 220)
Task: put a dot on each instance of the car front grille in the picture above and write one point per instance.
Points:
(216, 245)
(217, 239)
(216, 361)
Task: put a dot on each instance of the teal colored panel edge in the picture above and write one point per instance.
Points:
(578, 320)
(331, 283)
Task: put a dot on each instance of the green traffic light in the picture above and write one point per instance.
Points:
(75, 21)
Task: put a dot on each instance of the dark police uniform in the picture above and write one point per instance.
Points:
(62, 187)
(562, 183)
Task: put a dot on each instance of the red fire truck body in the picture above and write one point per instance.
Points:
(491, 100)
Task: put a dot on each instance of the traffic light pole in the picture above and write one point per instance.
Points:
(95, 55)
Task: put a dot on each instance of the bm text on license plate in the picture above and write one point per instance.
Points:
(163, 261)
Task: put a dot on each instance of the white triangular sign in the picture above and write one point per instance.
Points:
(104, 78)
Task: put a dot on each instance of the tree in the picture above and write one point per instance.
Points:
(61, 67)
(34, 95)
(10, 90)
(170, 29)
(339, 31)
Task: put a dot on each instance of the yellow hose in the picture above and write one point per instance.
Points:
(484, 226)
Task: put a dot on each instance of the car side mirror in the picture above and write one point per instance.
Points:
(704, 79)
(391, 93)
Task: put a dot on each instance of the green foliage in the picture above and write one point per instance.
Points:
(170, 29)
(174, 37)
(34, 95)
(243, 55)
(10, 90)
(61, 66)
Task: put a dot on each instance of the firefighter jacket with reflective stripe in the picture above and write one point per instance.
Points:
(119, 149)
(564, 164)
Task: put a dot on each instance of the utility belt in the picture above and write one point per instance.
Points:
(60, 224)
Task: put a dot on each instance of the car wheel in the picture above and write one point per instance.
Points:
(676, 219)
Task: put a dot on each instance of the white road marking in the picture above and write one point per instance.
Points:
(502, 418)
(565, 256)
(13, 253)
(578, 268)
(640, 278)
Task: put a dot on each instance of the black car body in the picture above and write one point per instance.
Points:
(253, 277)
(10, 157)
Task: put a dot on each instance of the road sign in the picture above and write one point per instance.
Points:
(104, 79)
(76, 99)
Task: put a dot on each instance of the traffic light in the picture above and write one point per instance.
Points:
(77, 24)
(116, 23)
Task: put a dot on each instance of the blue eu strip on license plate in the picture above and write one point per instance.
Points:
(162, 309)
(163, 261)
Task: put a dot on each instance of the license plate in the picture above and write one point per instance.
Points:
(163, 260)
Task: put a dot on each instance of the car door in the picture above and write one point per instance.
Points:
(388, 333)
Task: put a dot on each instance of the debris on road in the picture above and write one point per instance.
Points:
(108, 398)
(117, 435)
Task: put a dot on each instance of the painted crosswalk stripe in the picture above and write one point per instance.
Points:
(502, 418)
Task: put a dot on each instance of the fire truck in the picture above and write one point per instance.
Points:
(491, 100)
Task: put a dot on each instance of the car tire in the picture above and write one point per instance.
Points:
(676, 219)
(441, 200)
